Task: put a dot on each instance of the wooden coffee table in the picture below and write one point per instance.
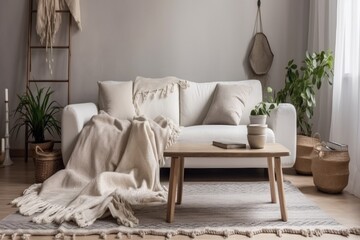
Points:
(178, 151)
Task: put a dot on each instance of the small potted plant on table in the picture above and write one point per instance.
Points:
(38, 112)
(257, 127)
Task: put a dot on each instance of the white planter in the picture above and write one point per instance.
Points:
(258, 119)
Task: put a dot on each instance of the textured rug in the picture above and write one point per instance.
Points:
(227, 208)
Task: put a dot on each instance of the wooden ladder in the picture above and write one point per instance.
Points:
(30, 45)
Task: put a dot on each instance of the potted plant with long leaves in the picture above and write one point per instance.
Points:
(38, 111)
(300, 89)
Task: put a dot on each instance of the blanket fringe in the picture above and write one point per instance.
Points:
(103, 236)
(59, 236)
(30, 203)
(175, 131)
(355, 231)
(14, 236)
(141, 96)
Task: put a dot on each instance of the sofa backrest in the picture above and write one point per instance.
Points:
(189, 106)
(197, 98)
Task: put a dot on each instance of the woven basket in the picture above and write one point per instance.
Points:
(304, 150)
(330, 169)
(46, 146)
(46, 164)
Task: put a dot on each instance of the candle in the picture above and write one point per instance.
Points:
(2, 145)
(6, 95)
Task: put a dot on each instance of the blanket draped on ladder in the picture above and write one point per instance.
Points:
(115, 164)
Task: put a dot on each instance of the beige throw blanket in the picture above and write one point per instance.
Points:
(115, 164)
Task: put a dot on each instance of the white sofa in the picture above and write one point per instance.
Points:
(188, 107)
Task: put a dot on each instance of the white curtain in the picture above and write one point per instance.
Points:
(321, 36)
(345, 121)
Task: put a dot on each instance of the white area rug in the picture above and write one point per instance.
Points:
(226, 208)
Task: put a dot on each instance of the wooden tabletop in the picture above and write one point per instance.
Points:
(208, 150)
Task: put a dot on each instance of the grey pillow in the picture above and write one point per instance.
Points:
(228, 104)
(115, 98)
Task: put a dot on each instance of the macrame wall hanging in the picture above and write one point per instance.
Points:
(261, 56)
(48, 22)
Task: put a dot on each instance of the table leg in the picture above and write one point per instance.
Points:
(271, 179)
(181, 181)
(174, 176)
(279, 180)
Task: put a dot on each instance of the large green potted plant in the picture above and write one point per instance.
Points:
(300, 88)
(38, 111)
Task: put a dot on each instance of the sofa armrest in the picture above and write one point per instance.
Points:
(282, 121)
(74, 117)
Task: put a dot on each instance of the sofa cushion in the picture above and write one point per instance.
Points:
(159, 96)
(199, 93)
(195, 101)
(228, 104)
(115, 98)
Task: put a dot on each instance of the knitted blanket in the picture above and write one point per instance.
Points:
(115, 164)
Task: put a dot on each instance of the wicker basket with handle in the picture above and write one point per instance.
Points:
(304, 156)
(46, 164)
(330, 169)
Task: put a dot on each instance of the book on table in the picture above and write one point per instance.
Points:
(336, 146)
(229, 145)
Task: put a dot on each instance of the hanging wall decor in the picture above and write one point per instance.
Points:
(48, 22)
(261, 56)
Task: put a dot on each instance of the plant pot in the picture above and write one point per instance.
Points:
(46, 146)
(256, 141)
(258, 119)
(256, 129)
(330, 169)
(304, 149)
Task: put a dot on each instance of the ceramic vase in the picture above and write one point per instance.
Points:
(256, 135)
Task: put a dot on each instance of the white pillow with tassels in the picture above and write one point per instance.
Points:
(158, 96)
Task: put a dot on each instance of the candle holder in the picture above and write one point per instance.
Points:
(7, 161)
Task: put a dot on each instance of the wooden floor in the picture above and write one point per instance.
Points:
(345, 208)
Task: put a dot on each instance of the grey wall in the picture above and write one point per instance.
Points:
(198, 40)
